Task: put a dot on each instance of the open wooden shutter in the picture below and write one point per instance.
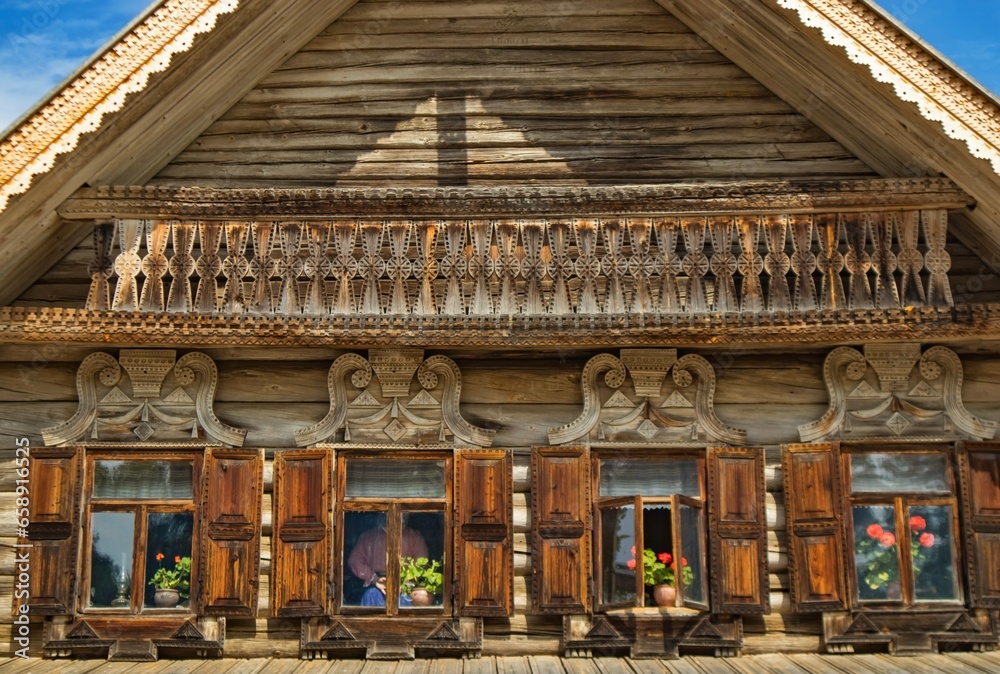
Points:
(738, 529)
(813, 498)
(230, 541)
(560, 529)
(53, 528)
(484, 519)
(300, 538)
(980, 466)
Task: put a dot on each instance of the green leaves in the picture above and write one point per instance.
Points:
(419, 572)
(177, 578)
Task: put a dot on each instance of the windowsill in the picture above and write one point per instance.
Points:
(655, 611)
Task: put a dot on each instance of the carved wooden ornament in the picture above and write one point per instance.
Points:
(893, 391)
(655, 409)
(394, 410)
(145, 395)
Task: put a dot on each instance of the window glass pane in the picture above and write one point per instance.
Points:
(886, 472)
(365, 558)
(931, 546)
(135, 479)
(392, 478)
(692, 567)
(876, 553)
(423, 559)
(618, 554)
(650, 477)
(168, 547)
(111, 538)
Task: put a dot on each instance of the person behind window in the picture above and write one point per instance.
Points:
(368, 559)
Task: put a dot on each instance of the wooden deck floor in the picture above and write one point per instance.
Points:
(956, 663)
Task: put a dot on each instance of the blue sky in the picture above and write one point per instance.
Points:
(43, 41)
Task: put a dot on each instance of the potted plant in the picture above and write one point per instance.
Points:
(420, 579)
(659, 572)
(171, 584)
(879, 558)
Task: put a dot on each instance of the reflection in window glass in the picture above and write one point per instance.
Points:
(422, 560)
(650, 477)
(618, 554)
(691, 565)
(168, 546)
(143, 479)
(883, 472)
(365, 562)
(375, 478)
(111, 537)
(932, 551)
(876, 553)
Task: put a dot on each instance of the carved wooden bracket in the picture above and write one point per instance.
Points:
(390, 412)
(893, 391)
(156, 397)
(680, 412)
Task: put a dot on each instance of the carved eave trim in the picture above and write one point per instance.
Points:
(785, 197)
(917, 76)
(102, 89)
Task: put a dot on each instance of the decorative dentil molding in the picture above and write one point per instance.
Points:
(893, 391)
(657, 411)
(145, 395)
(394, 411)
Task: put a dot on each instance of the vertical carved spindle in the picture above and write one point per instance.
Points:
(507, 267)
(235, 267)
(181, 267)
(588, 267)
(559, 266)
(454, 267)
(261, 268)
(803, 263)
(724, 264)
(937, 260)
(154, 265)
(858, 261)
(398, 267)
(316, 267)
(426, 268)
(667, 235)
(480, 264)
(642, 265)
(883, 261)
(372, 267)
(289, 267)
(830, 262)
(532, 268)
(910, 261)
(777, 264)
(750, 265)
(208, 267)
(615, 266)
(101, 268)
(128, 265)
(696, 264)
(344, 266)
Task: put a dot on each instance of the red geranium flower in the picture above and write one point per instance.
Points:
(926, 539)
(684, 561)
(887, 539)
(633, 551)
(177, 559)
(665, 557)
(917, 523)
(630, 564)
(874, 531)
(159, 556)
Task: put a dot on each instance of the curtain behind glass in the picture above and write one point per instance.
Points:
(650, 477)
(885, 472)
(143, 479)
(394, 478)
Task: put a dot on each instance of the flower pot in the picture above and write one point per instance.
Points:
(664, 595)
(420, 596)
(166, 598)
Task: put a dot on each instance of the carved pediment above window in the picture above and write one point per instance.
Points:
(893, 391)
(408, 401)
(145, 395)
(655, 409)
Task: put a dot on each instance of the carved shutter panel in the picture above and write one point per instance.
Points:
(560, 529)
(485, 532)
(980, 464)
(300, 539)
(230, 563)
(738, 531)
(53, 529)
(813, 498)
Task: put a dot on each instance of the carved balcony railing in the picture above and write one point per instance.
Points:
(666, 264)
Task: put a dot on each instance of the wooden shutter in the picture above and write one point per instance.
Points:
(300, 539)
(53, 528)
(484, 542)
(813, 498)
(738, 531)
(560, 529)
(980, 467)
(230, 541)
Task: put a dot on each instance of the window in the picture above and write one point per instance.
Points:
(140, 532)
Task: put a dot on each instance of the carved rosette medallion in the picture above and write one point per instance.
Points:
(145, 395)
(409, 401)
(655, 409)
(893, 391)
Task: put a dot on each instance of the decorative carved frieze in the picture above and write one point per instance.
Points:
(893, 391)
(145, 395)
(654, 410)
(409, 401)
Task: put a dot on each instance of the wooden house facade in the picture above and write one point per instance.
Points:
(447, 328)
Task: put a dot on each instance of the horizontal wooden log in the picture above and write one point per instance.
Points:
(759, 644)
